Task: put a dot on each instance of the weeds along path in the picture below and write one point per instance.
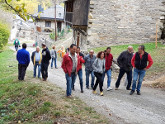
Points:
(118, 106)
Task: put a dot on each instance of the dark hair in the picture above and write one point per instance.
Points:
(99, 54)
(142, 47)
(24, 45)
(108, 48)
(71, 46)
(78, 47)
(44, 45)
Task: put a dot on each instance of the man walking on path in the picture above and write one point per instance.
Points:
(45, 62)
(79, 68)
(16, 44)
(53, 54)
(69, 66)
(139, 62)
(108, 64)
(89, 60)
(124, 62)
(23, 58)
(36, 59)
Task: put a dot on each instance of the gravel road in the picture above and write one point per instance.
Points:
(117, 105)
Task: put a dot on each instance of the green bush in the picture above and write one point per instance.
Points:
(4, 34)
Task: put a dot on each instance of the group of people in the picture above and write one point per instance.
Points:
(95, 66)
(100, 65)
(40, 60)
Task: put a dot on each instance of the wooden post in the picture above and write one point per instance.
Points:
(156, 42)
(55, 23)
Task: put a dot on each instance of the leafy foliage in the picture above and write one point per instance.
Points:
(4, 35)
(24, 8)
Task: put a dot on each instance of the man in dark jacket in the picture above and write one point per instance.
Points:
(141, 62)
(23, 58)
(124, 62)
(89, 60)
(45, 62)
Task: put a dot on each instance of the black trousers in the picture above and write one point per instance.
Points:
(99, 80)
(44, 70)
(129, 77)
(21, 71)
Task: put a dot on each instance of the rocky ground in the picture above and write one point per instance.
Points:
(117, 105)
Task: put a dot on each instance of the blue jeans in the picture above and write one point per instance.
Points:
(16, 48)
(108, 76)
(70, 80)
(138, 73)
(80, 75)
(55, 62)
(87, 78)
(39, 69)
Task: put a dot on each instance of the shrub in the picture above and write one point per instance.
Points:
(4, 34)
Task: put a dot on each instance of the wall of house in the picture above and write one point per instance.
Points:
(41, 24)
(123, 21)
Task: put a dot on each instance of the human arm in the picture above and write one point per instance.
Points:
(48, 55)
(119, 60)
(150, 61)
(28, 58)
(64, 64)
(133, 60)
(82, 60)
(32, 57)
(94, 66)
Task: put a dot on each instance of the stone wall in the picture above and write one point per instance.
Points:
(123, 21)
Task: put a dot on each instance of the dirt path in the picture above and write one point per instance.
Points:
(118, 106)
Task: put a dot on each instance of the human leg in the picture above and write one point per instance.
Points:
(121, 73)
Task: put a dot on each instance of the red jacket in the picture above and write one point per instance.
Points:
(108, 61)
(67, 63)
(80, 61)
(149, 60)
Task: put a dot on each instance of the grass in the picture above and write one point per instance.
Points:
(158, 54)
(35, 102)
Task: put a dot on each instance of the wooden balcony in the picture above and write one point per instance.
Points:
(68, 17)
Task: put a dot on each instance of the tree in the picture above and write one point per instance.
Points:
(24, 8)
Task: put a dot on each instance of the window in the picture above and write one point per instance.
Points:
(47, 23)
(59, 14)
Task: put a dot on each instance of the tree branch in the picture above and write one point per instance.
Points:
(17, 12)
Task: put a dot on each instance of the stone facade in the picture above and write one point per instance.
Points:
(123, 21)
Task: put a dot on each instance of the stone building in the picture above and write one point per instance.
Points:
(46, 19)
(113, 22)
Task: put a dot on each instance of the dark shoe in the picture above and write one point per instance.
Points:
(87, 87)
(73, 89)
(138, 93)
(43, 79)
(129, 89)
(116, 88)
(132, 92)
(82, 91)
(69, 96)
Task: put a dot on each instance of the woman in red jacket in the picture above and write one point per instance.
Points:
(80, 61)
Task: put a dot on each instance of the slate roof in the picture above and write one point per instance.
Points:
(49, 14)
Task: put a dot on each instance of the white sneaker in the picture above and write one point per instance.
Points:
(109, 88)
